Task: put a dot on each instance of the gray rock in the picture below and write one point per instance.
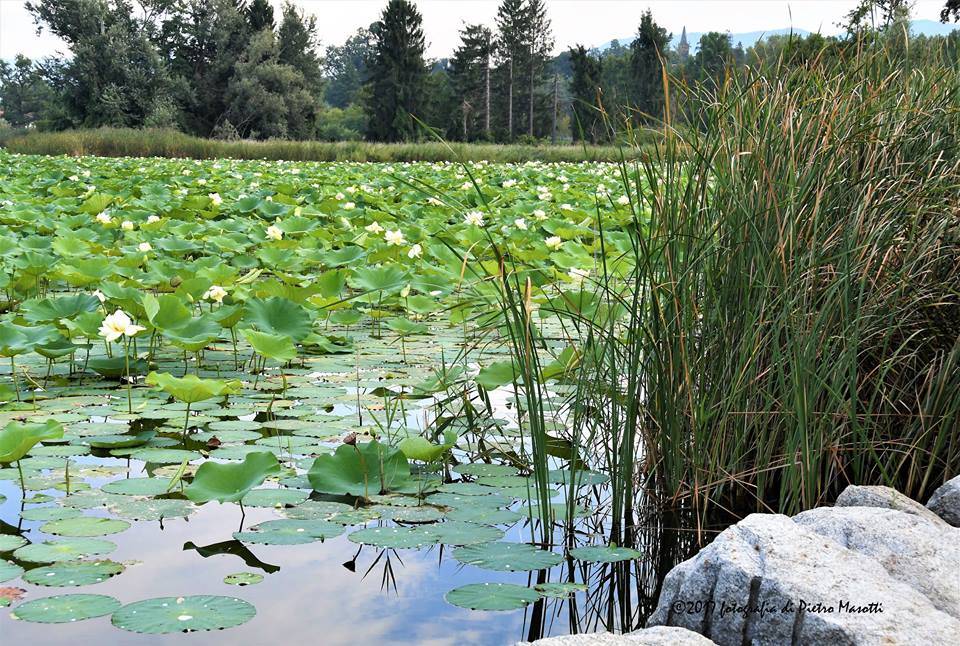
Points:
(945, 502)
(769, 580)
(884, 497)
(911, 549)
(658, 636)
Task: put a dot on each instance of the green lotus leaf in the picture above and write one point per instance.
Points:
(183, 614)
(362, 470)
(273, 346)
(507, 557)
(492, 596)
(85, 526)
(604, 554)
(18, 339)
(278, 316)
(73, 573)
(243, 578)
(49, 310)
(231, 482)
(379, 279)
(560, 590)
(420, 448)
(16, 438)
(497, 374)
(191, 389)
(66, 608)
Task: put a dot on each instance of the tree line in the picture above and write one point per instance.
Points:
(234, 69)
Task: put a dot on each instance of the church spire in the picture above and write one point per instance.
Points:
(683, 47)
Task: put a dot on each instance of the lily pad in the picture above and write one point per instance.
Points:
(231, 482)
(492, 596)
(68, 549)
(66, 608)
(484, 515)
(454, 532)
(85, 526)
(10, 542)
(507, 557)
(289, 532)
(49, 513)
(137, 486)
(604, 554)
(275, 497)
(183, 614)
(73, 573)
(243, 578)
(560, 590)
(394, 537)
(9, 571)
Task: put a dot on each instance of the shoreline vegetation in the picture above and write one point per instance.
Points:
(131, 142)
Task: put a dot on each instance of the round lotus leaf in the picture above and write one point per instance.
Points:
(275, 497)
(243, 578)
(558, 511)
(507, 557)
(89, 499)
(137, 486)
(227, 437)
(289, 532)
(508, 482)
(484, 516)
(50, 513)
(9, 571)
(454, 532)
(560, 590)
(73, 573)
(459, 501)
(396, 500)
(580, 477)
(183, 614)
(394, 537)
(316, 509)
(85, 526)
(359, 516)
(164, 456)
(38, 499)
(59, 451)
(68, 549)
(66, 608)
(117, 441)
(240, 451)
(481, 469)
(233, 425)
(492, 596)
(151, 508)
(466, 489)
(423, 514)
(604, 554)
(10, 542)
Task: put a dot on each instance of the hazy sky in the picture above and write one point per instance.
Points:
(590, 22)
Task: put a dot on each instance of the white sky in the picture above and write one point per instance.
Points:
(590, 22)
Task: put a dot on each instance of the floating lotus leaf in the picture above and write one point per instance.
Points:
(226, 436)
(466, 489)
(183, 614)
(507, 557)
(604, 554)
(243, 578)
(278, 316)
(492, 596)
(9, 571)
(491, 500)
(359, 516)
(231, 482)
(73, 573)
(10, 542)
(152, 508)
(49, 513)
(273, 346)
(424, 514)
(85, 526)
(481, 469)
(580, 477)
(484, 516)
(68, 549)
(316, 509)
(289, 532)
(275, 497)
(66, 608)
(164, 456)
(361, 470)
(119, 441)
(454, 532)
(560, 590)
(191, 389)
(394, 537)
(137, 486)
(16, 438)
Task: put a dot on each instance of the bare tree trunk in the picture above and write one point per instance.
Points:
(556, 105)
(466, 108)
(532, 76)
(510, 102)
(486, 112)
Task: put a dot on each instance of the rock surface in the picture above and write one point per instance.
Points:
(945, 502)
(657, 636)
(885, 498)
(769, 580)
(924, 555)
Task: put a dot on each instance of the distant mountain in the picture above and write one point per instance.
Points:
(749, 38)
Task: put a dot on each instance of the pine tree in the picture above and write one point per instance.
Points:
(297, 42)
(587, 72)
(511, 51)
(470, 77)
(646, 53)
(260, 15)
(540, 41)
(396, 72)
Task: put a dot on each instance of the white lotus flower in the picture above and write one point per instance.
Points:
(540, 214)
(394, 238)
(202, 182)
(510, 183)
(74, 178)
(215, 198)
(117, 325)
(215, 293)
(520, 223)
(339, 196)
(553, 242)
(577, 275)
(99, 296)
(274, 232)
(374, 227)
(126, 225)
(153, 218)
(623, 200)
(144, 247)
(104, 218)
(415, 251)
(566, 207)
(474, 218)
(349, 206)
(405, 291)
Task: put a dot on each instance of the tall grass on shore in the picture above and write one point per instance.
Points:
(126, 142)
(784, 318)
